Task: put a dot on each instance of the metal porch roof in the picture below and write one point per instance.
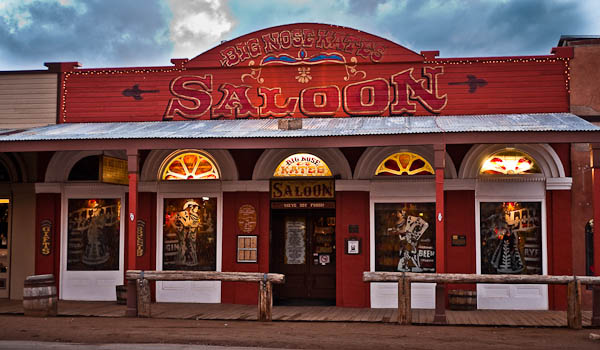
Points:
(312, 127)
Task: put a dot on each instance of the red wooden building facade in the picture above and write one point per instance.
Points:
(315, 151)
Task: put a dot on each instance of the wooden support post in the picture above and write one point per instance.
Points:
(596, 306)
(131, 310)
(440, 304)
(574, 304)
(404, 310)
(265, 301)
(143, 298)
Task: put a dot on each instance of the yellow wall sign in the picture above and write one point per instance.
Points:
(291, 189)
(114, 171)
(302, 164)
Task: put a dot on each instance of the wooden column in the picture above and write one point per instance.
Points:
(595, 160)
(265, 301)
(440, 239)
(131, 217)
(574, 304)
(404, 310)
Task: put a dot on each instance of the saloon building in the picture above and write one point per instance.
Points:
(311, 150)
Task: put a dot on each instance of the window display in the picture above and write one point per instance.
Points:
(405, 237)
(511, 238)
(93, 234)
(189, 234)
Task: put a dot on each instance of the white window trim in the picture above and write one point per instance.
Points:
(159, 231)
(512, 192)
(85, 191)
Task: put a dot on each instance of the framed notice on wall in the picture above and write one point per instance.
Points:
(247, 249)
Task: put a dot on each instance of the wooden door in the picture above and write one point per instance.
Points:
(303, 248)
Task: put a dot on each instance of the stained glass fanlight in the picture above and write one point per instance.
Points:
(404, 163)
(189, 165)
(509, 162)
(302, 164)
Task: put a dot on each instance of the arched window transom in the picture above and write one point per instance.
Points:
(189, 165)
(509, 162)
(302, 164)
(404, 163)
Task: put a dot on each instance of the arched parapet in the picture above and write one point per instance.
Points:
(62, 162)
(271, 158)
(373, 156)
(223, 159)
(546, 158)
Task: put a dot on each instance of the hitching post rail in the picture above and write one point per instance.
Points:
(404, 280)
(138, 281)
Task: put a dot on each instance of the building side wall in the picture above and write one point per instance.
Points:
(585, 100)
(27, 100)
(352, 208)
(23, 236)
(238, 292)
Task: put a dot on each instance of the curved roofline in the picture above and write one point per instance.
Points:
(324, 25)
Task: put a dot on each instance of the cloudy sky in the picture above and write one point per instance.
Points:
(113, 33)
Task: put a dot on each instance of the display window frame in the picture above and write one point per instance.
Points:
(89, 191)
(212, 288)
(406, 190)
(517, 194)
(510, 296)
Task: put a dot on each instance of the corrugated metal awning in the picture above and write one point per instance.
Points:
(312, 127)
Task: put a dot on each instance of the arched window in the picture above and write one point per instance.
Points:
(404, 163)
(510, 162)
(189, 165)
(302, 164)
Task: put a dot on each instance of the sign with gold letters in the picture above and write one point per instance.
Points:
(304, 189)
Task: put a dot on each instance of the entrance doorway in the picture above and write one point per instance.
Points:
(303, 249)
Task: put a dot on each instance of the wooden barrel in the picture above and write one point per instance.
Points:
(39, 296)
(462, 299)
(122, 295)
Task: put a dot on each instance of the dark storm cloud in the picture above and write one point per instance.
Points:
(485, 28)
(454, 27)
(95, 32)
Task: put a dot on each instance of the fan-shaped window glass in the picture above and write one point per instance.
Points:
(404, 163)
(509, 162)
(302, 164)
(189, 165)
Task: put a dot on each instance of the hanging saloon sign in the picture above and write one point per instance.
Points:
(314, 70)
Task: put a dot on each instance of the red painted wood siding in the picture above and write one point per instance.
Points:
(373, 85)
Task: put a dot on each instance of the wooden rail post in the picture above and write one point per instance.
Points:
(440, 304)
(131, 310)
(596, 306)
(404, 310)
(143, 298)
(574, 304)
(265, 300)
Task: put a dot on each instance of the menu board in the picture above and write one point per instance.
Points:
(295, 240)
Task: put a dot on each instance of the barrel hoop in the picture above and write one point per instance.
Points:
(38, 297)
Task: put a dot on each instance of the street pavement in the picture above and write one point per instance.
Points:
(27, 345)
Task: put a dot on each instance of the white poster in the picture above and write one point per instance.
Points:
(295, 242)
